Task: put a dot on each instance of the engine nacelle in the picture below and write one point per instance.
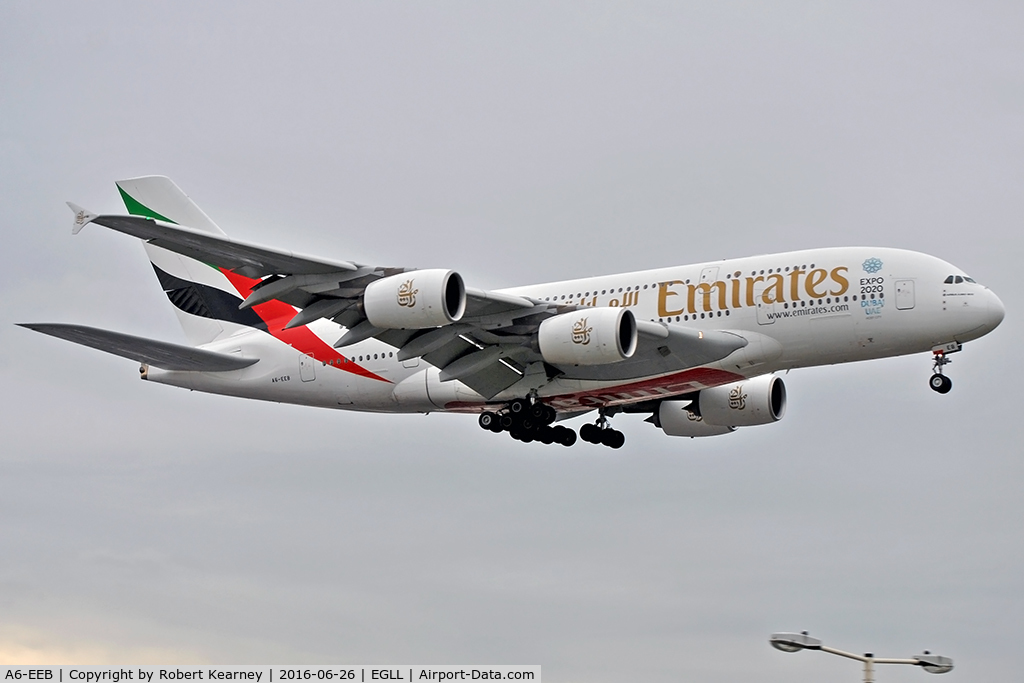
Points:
(757, 401)
(415, 300)
(675, 420)
(592, 336)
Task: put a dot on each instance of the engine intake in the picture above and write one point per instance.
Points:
(757, 401)
(592, 336)
(416, 300)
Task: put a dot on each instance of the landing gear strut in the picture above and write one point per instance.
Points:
(527, 421)
(938, 381)
(602, 433)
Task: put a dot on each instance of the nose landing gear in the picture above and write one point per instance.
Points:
(938, 381)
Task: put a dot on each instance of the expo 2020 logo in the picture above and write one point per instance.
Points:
(872, 265)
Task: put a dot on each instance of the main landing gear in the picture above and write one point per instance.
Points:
(938, 381)
(528, 421)
(602, 433)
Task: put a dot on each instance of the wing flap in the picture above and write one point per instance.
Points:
(492, 379)
(149, 351)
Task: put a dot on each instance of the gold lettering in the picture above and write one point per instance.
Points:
(794, 284)
(843, 283)
(705, 291)
(815, 278)
(776, 286)
(751, 281)
(663, 294)
(741, 292)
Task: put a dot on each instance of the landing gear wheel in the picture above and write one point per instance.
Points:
(940, 383)
(542, 414)
(546, 435)
(566, 436)
(613, 438)
(487, 420)
(590, 433)
(520, 406)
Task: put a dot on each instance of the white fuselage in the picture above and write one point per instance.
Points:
(796, 309)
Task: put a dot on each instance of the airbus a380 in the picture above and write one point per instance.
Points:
(697, 347)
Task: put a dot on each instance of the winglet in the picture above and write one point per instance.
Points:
(82, 218)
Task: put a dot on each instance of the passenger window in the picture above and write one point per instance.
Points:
(949, 280)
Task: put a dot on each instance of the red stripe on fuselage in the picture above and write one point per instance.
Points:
(276, 315)
(657, 387)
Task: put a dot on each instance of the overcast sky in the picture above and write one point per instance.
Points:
(517, 143)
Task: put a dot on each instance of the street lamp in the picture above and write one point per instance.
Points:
(794, 642)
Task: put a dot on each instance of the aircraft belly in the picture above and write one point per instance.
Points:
(573, 394)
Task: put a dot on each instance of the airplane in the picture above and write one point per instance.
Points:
(696, 348)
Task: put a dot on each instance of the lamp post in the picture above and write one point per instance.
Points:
(794, 642)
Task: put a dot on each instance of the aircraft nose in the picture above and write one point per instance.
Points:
(996, 310)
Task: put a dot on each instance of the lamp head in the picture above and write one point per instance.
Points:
(794, 642)
(934, 664)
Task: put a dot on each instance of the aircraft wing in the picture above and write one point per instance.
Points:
(490, 348)
(149, 351)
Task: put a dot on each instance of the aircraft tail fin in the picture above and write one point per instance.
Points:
(201, 294)
(157, 196)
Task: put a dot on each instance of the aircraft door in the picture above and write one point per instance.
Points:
(765, 312)
(709, 274)
(307, 368)
(904, 295)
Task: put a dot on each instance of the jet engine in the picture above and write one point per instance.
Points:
(416, 300)
(675, 419)
(590, 336)
(757, 401)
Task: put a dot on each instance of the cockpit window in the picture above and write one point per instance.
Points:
(958, 279)
(971, 280)
(949, 280)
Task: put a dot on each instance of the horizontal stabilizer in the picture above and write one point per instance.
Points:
(249, 259)
(149, 351)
